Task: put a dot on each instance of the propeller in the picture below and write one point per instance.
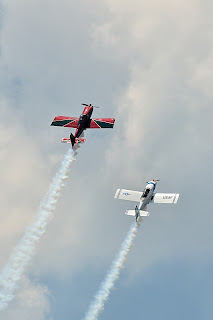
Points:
(153, 180)
(85, 104)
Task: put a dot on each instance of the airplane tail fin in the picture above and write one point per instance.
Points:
(141, 213)
(76, 140)
(72, 139)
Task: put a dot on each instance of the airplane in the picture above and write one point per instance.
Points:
(147, 196)
(82, 123)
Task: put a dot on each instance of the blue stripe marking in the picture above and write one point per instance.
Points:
(154, 184)
(151, 183)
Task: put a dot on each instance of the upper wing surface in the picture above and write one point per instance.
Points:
(165, 198)
(62, 121)
(101, 123)
(130, 195)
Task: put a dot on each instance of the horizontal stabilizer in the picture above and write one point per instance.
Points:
(141, 213)
(165, 198)
(130, 195)
(77, 140)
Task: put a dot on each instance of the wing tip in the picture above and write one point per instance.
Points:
(176, 198)
(117, 193)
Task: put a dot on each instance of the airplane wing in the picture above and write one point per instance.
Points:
(130, 195)
(101, 123)
(165, 198)
(65, 121)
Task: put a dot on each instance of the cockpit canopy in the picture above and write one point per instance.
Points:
(145, 193)
(82, 118)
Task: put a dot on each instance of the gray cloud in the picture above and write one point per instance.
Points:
(149, 65)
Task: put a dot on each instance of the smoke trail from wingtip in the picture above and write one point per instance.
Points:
(24, 251)
(105, 288)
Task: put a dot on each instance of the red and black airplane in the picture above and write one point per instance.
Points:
(81, 124)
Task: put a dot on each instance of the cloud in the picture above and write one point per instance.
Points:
(22, 168)
(201, 75)
(164, 112)
(154, 115)
(32, 302)
(149, 65)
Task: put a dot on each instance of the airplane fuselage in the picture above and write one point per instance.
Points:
(147, 195)
(84, 120)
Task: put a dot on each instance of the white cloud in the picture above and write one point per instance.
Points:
(22, 168)
(32, 302)
(163, 113)
(155, 115)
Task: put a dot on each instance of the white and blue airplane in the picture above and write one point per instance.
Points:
(144, 198)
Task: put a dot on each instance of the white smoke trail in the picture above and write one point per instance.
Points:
(24, 251)
(103, 293)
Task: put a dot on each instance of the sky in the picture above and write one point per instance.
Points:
(149, 64)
